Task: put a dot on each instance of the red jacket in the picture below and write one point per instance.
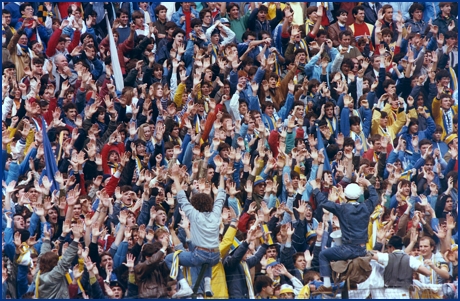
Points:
(54, 40)
(119, 148)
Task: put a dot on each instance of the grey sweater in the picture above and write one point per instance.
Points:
(53, 284)
(204, 225)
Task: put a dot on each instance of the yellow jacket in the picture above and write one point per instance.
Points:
(178, 96)
(437, 115)
(218, 280)
(392, 128)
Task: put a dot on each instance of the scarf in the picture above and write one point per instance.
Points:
(175, 265)
(359, 137)
(248, 279)
(24, 257)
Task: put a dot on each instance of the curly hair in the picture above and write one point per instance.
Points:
(202, 202)
(48, 261)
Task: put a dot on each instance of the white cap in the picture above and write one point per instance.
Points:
(286, 288)
(353, 191)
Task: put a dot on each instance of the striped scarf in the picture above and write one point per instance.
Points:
(175, 265)
(248, 279)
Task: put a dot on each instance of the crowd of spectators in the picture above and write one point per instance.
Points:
(246, 145)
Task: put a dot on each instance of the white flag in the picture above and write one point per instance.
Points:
(119, 84)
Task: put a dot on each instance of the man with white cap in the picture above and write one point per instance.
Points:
(354, 220)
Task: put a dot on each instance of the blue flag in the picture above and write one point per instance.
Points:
(50, 160)
(319, 146)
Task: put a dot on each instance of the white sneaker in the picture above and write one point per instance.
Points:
(183, 292)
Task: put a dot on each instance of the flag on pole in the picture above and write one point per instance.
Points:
(50, 160)
(119, 84)
(320, 146)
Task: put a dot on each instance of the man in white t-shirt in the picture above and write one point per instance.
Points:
(398, 269)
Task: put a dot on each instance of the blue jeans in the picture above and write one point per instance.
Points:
(196, 258)
(343, 252)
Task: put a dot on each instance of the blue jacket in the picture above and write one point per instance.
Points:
(353, 218)
(421, 134)
(13, 8)
(282, 114)
(177, 15)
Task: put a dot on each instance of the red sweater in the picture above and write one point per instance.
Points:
(54, 39)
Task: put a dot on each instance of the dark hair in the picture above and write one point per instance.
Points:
(177, 31)
(23, 6)
(396, 242)
(169, 25)
(356, 9)
(348, 141)
(246, 34)
(263, 8)
(202, 202)
(385, 7)
(424, 142)
(355, 120)
(442, 4)
(6, 12)
(349, 62)
(309, 276)
(414, 7)
(387, 31)
(160, 8)
(450, 34)
(232, 5)
(203, 12)
(321, 32)
(38, 61)
(262, 282)
(69, 106)
(311, 9)
(196, 22)
(151, 248)
(442, 73)
(388, 82)
(8, 65)
(345, 33)
(340, 11)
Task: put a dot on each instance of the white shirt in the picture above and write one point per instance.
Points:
(383, 259)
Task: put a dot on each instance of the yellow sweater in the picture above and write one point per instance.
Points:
(392, 128)
(218, 280)
(437, 115)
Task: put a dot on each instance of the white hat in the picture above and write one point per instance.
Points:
(353, 191)
(286, 288)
